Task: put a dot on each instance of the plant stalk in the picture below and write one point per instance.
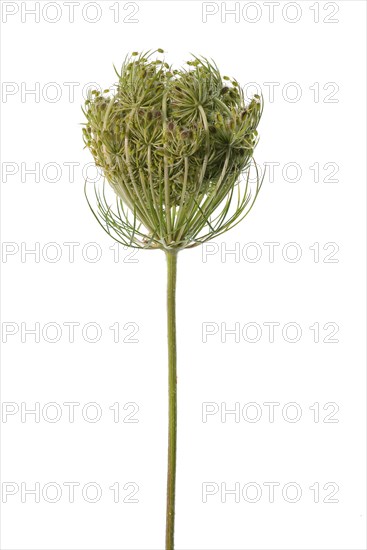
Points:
(171, 257)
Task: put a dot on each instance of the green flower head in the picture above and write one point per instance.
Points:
(172, 144)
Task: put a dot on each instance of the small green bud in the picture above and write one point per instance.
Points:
(186, 134)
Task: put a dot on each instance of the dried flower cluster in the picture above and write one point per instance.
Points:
(172, 144)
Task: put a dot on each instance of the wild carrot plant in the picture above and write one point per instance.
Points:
(176, 146)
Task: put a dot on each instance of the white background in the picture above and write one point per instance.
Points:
(224, 289)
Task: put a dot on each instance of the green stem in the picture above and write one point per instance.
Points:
(172, 396)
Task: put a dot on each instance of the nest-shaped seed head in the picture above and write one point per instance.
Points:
(172, 144)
